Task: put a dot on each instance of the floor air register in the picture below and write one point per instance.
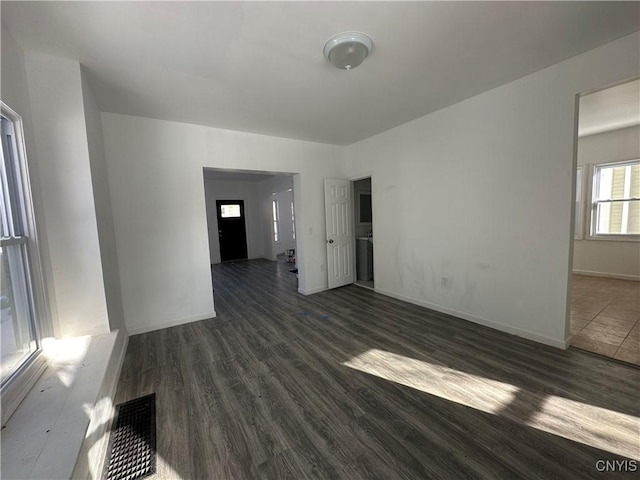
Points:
(132, 445)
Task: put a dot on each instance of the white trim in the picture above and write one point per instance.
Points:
(45, 436)
(362, 176)
(18, 388)
(14, 391)
(572, 240)
(614, 238)
(578, 216)
(620, 276)
(93, 451)
(479, 320)
(170, 323)
(312, 291)
(354, 265)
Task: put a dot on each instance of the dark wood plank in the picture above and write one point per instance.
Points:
(352, 384)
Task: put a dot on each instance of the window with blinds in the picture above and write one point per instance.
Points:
(616, 199)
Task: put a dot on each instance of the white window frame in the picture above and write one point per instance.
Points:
(593, 204)
(276, 220)
(579, 214)
(22, 380)
(293, 221)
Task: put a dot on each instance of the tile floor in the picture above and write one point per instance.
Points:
(605, 317)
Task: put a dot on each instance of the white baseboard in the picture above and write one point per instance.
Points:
(619, 276)
(169, 323)
(312, 291)
(567, 342)
(482, 321)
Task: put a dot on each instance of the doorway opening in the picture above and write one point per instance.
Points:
(284, 227)
(241, 227)
(604, 309)
(232, 230)
(363, 219)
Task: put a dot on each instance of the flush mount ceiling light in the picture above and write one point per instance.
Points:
(347, 50)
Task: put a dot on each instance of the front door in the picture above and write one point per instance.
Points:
(231, 229)
(338, 206)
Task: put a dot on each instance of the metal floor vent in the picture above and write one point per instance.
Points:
(132, 445)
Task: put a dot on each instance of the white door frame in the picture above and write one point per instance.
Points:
(355, 179)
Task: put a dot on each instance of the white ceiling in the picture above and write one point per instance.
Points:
(610, 109)
(258, 66)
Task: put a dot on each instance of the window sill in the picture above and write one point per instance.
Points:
(17, 388)
(614, 238)
(61, 427)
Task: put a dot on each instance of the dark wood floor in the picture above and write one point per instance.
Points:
(351, 384)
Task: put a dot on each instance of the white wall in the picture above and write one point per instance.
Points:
(57, 135)
(478, 192)
(14, 93)
(233, 190)
(102, 200)
(61, 145)
(68, 138)
(601, 257)
(157, 195)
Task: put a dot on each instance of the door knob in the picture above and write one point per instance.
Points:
(330, 240)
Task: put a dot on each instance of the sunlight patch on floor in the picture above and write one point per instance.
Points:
(577, 421)
(480, 393)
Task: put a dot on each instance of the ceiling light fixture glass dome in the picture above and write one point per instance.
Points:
(347, 50)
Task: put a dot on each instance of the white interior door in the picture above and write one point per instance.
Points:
(338, 205)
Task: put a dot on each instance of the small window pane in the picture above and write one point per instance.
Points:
(276, 237)
(229, 211)
(16, 329)
(618, 183)
(618, 218)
